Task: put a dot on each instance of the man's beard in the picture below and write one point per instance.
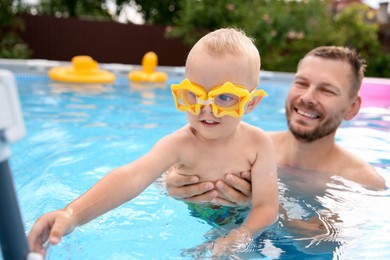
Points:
(326, 128)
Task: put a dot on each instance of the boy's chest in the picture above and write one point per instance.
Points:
(212, 163)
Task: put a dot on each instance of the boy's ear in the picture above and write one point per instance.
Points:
(252, 104)
(353, 109)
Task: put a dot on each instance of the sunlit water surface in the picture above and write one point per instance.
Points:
(76, 134)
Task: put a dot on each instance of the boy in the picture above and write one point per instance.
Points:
(222, 73)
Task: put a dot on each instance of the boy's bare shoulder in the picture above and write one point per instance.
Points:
(253, 130)
(180, 136)
(257, 135)
(185, 132)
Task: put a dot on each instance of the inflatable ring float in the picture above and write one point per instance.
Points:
(83, 70)
(148, 73)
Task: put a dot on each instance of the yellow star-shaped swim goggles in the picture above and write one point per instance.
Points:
(228, 99)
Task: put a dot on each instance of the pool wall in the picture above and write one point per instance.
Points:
(42, 66)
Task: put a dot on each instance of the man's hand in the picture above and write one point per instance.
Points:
(233, 190)
(189, 188)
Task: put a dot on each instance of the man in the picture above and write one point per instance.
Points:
(323, 94)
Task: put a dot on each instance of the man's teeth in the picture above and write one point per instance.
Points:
(306, 114)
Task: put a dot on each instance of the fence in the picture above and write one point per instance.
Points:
(107, 42)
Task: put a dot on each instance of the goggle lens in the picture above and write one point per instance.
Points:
(186, 97)
(227, 101)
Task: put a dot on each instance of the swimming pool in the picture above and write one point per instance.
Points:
(76, 134)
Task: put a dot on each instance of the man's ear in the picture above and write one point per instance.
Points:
(252, 104)
(353, 109)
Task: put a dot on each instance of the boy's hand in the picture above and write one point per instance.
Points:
(49, 227)
(233, 243)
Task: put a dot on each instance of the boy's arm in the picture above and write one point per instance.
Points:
(265, 202)
(117, 187)
(265, 193)
(124, 183)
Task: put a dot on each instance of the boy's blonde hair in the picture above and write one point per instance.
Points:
(231, 41)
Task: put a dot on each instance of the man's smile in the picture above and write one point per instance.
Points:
(307, 114)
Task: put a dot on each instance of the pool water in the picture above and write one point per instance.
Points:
(76, 134)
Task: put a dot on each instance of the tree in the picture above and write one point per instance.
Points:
(196, 18)
(67, 8)
(11, 44)
(285, 30)
(162, 12)
(363, 35)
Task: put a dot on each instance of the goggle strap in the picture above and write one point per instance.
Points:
(258, 93)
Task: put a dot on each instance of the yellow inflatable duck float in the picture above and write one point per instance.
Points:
(83, 70)
(148, 73)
